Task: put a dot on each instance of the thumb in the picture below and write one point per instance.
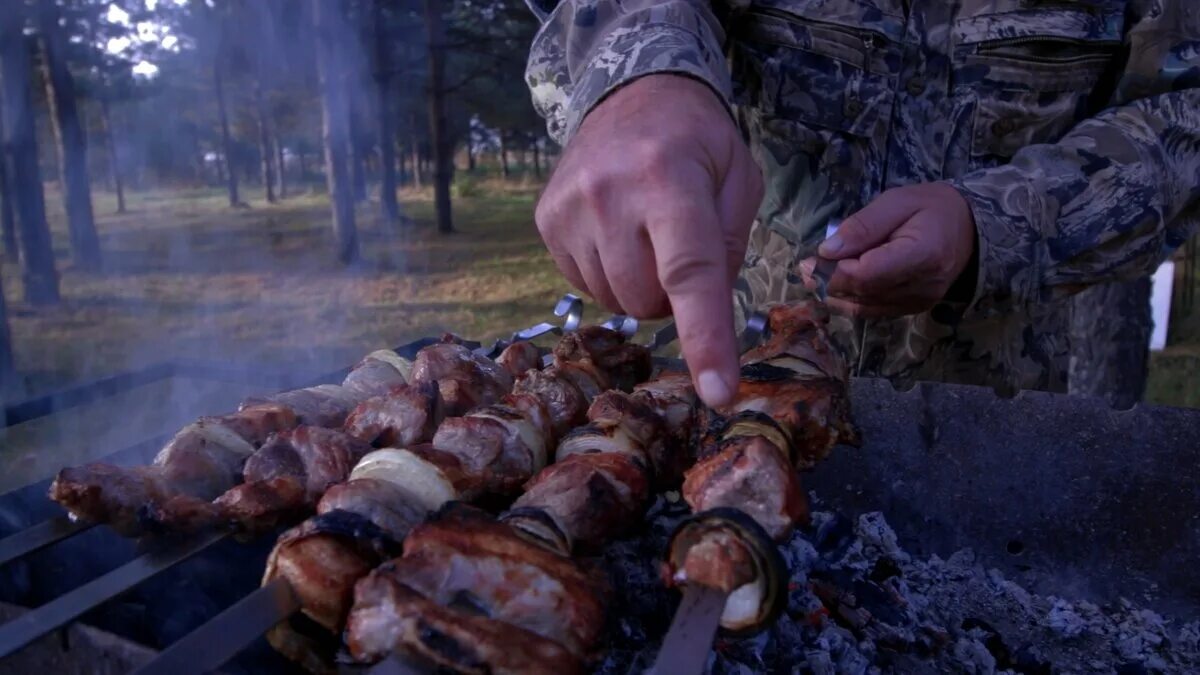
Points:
(693, 271)
(870, 226)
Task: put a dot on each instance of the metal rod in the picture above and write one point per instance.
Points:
(688, 642)
(221, 638)
(38, 537)
(23, 630)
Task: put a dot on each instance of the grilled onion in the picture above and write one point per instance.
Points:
(421, 479)
(752, 605)
(401, 364)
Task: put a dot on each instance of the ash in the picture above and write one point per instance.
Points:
(858, 603)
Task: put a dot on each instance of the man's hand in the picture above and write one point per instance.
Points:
(900, 254)
(649, 211)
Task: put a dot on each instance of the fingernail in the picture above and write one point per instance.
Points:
(713, 389)
(831, 246)
(807, 266)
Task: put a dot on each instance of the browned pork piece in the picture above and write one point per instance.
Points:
(466, 379)
(791, 408)
(520, 357)
(405, 415)
(624, 363)
(202, 460)
(283, 478)
(490, 450)
(472, 566)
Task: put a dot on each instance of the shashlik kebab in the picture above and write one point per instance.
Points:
(489, 452)
(475, 594)
(790, 410)
(285, 478)
(207, 458)
(452, 600)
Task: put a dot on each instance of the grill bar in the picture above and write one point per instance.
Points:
(38, 537)
(58, 612)
(219, 640)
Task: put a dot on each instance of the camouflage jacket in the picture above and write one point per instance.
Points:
(1072, 127)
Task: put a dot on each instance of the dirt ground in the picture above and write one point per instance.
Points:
(189, 278)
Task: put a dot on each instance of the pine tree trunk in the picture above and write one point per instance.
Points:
(358, 159)
(8, 219)
(114, 163)
(470, 158)
(504, 171)
(537, 160)
(70, 140)
(8, 369)
(402, 160)
(439, 130)
(416, 158)
(1110, 342)
(387, 131)
(226, 138)
(20, 135)
(280, 164)
(329, 21)
(265, 151)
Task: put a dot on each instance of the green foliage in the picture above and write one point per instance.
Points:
(468, 186)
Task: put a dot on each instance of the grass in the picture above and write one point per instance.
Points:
(189, 278)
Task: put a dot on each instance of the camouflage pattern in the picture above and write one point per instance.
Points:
(1072, 127)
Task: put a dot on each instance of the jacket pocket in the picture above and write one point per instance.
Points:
(828, 75)
(1032, 74)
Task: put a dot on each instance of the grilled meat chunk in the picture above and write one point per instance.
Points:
(624, 363)
(489, 449)
(564, 401)
(750, 474)
(406, 415)
(389, 616)
(325, 405)
(519, 357)
(466, 380)
(673, 399)
(203, 460)
(588, 498)
(463, 555)
(257, 422)
(282, 479)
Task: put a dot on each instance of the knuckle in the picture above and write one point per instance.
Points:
(688, 273)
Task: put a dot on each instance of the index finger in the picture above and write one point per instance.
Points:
(690, 253)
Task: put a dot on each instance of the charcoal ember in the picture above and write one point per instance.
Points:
(859, 603)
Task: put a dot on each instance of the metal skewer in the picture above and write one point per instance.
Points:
(686, 646)
(62, 610)
(38, 537)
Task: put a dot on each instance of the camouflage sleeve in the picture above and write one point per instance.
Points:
(1113, 197)
(587, 48)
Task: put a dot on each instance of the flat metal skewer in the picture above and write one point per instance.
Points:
(19, 632)
(221, 638)
(38, 537)
(686, 646)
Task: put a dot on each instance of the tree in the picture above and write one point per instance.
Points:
(8, 219)
(110, 143)
(439, 132)
(386, 115)
(20, 133)
(330, 25)
(69, 136)
(1110, 342)
(7, 369)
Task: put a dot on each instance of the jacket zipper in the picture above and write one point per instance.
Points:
(1098, 50)
(871, 39)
